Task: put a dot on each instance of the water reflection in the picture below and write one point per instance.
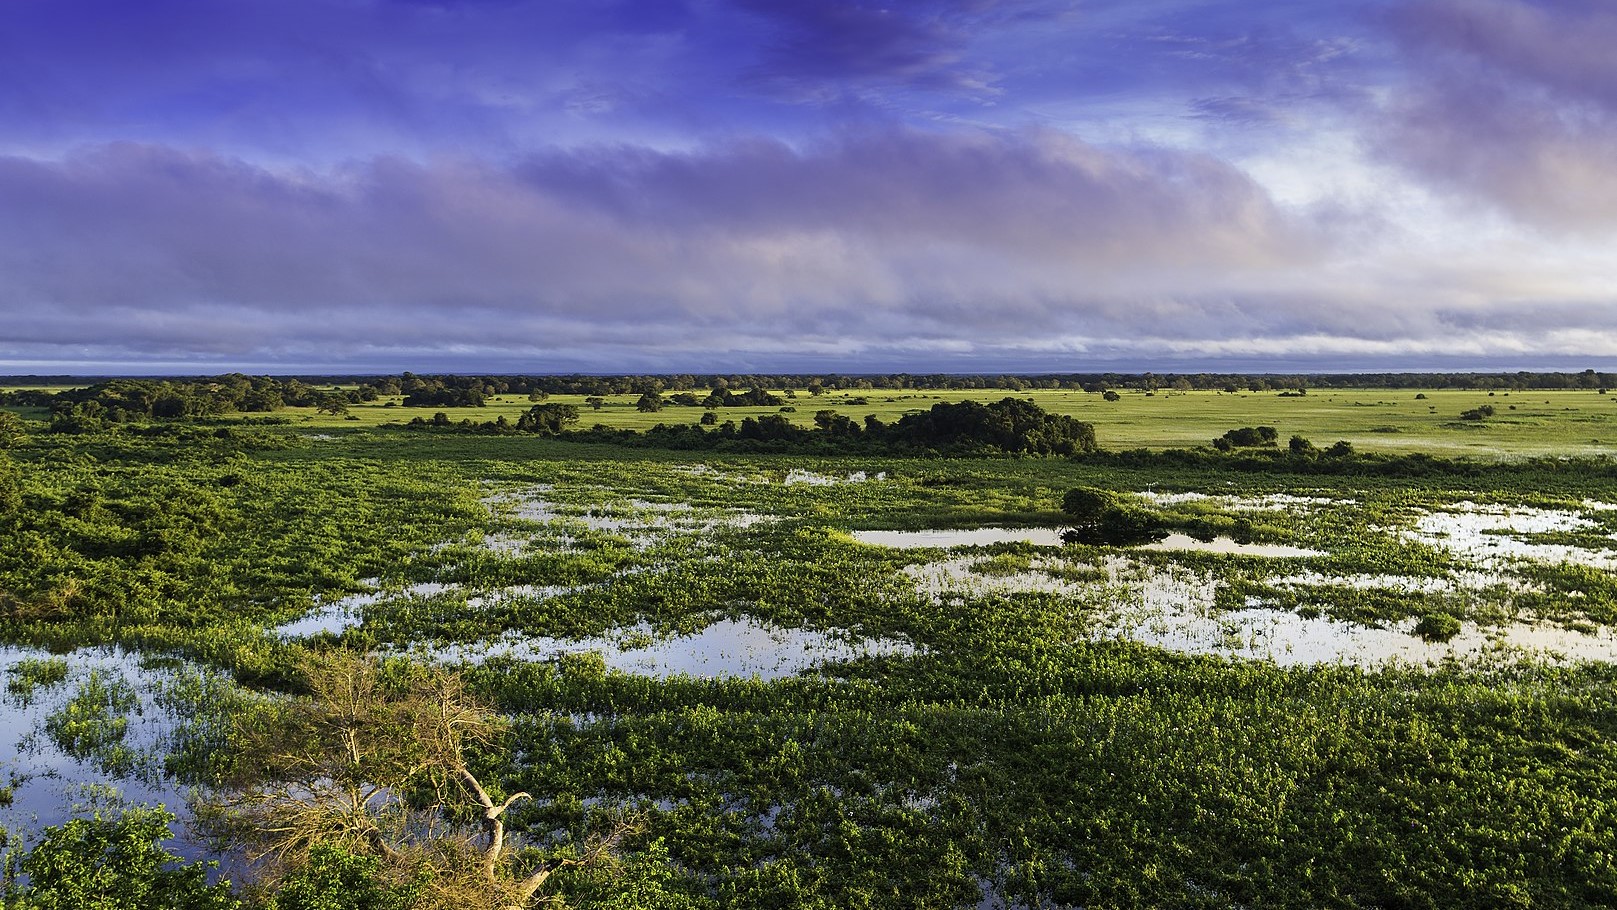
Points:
(727, 647)
(943, 538)
(1228, 546)
(49, 785)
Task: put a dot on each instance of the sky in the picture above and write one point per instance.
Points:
(194, 186)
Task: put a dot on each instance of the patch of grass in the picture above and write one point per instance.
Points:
(1438, 627)
(31, 676)
(94, 723)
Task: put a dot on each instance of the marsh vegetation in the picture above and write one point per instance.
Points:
(752, 680)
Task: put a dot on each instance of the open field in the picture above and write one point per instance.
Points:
(1355, 690)
(1527, 423)
(1386, 421)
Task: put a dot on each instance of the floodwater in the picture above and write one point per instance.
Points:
(1168, 606)
(726, 647)
(1227, 546)
(1289, 639)
(793, 476)
(1490, 534)
(1269, 502)
(643, 523)
(1174, 607)
(51, 786)
(1474, 580)
(811, 478)
(944, 538)
(347, 613)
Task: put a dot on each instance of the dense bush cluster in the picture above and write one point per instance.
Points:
(1246, 438)
(1009, 426)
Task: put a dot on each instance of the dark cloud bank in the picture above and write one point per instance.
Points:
(876, 240)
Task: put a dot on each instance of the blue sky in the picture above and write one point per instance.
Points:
(298, 185)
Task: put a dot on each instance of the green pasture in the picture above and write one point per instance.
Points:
(1577, 423)
(1526, 423)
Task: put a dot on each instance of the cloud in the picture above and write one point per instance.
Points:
(327, 79)
(1511, 103)
(896, 234)
(618, 183)
(881, 247)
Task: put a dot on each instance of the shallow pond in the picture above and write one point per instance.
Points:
(348, 612)
(727, 647)
(643, 523)
(813, 479)
(944, 538)
(1174, 608)
(1269, 502)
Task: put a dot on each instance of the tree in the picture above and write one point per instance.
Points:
(650, 402)
(375, 762)
(548, 419)
(830, 422)
(1102, 517)
(333, 405)
(595, 402)
(1247, 437)
(113, 864)
(262, 400)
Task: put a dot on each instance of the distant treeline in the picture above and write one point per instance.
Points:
(1012, 425)
(123, 400)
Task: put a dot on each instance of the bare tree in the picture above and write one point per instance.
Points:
(375, 758)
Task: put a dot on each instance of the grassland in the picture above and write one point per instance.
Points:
(1549, 423)
(1015, 749)
(1577, 423)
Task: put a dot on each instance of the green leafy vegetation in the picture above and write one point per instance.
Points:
(1015, 742)
(1008, 426)
(94, 722)
(112, 864)
(29, 676)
